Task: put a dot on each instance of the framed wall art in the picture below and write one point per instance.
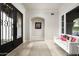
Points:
(38, 25)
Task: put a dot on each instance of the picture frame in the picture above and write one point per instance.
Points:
(38, 25)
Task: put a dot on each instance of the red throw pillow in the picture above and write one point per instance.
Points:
(63, 38)
(73, 39)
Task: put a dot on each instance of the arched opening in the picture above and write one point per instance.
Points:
(37, 29)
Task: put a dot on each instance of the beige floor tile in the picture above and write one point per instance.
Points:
(38, 48)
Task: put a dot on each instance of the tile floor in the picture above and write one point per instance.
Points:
(38, 48)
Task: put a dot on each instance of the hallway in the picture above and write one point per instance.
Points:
(39, 29)
(38, 48)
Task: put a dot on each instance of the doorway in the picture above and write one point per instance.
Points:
(11, 28)
(37, 29)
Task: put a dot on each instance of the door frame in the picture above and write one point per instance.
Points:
(31, 27)
(9, 46)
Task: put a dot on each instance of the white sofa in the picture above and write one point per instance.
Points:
(70, 47)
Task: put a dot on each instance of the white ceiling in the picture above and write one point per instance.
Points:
(42, 6)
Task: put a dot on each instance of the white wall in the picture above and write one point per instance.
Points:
(51, 22)
(21, 8)
(63, 10)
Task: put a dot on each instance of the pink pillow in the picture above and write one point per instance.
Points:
(73, 39)
(63, 38)
(60, 37)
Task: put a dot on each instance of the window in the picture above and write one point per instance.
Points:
(75, 29)
(11, 27)
(19, 20)
(6, 24)
(62, 24)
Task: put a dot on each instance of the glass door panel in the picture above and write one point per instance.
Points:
(19, 18)
(6, 24)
